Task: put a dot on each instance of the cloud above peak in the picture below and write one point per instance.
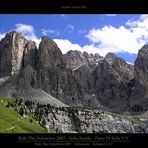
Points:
(129, 37)
(28, 31)
(24, 28)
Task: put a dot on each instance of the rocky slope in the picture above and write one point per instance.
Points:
(78, 120)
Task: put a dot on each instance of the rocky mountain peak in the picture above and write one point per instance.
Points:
(141, 64)
(49, 55)
(110, 57)
(13, 33)
(11, 53)
(31, 44)
(47, 42)
(145, 47)
(139, 97)
(75, 59)
(97, 55)
(142, 58)
(92, 58)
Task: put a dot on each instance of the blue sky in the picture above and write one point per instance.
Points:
(95, 33)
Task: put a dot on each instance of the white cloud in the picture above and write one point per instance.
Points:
(130, 63)
(82, 31)
(110, 14)
(59, 15)
(70, 28)
(2, 35)
(65, 45)
(50, 31)
(46, 31)
(28, 31)
(63, 15)
(141, 22)
(24, 28)
(128, 38)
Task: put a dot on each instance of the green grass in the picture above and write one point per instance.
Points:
(12, 122)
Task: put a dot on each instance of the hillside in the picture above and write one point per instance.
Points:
(12, 122)
(17, 116)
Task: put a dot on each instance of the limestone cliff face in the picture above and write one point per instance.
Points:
(52, 74)
(112, 77)
(49, 55)
(48, 60)
(11, 54)
(29, 55)
(75, 59)
(82, 65)
(139, 97)
(92, 58)
(141, 67)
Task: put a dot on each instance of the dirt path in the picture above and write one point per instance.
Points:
(8, 129)
(11, 128)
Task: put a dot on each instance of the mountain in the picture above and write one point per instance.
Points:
(112, 76)
(75, 59)
(22, 78)
(139, 96)
(79, 87)
(45, 75)
(11, 54)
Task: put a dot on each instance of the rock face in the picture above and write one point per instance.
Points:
(92, 59)
(49, 58)
(75, 59)
(28, 76)
(139, 97)
(125, 70)
(53, 76)
(30, 51)
(49, 55)
(110, 57)
(112, 76)
(84, 77)
(11, 54)
(82, 65)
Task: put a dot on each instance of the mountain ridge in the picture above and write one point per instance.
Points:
(75, 78)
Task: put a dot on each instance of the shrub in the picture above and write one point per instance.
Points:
(21, 111)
